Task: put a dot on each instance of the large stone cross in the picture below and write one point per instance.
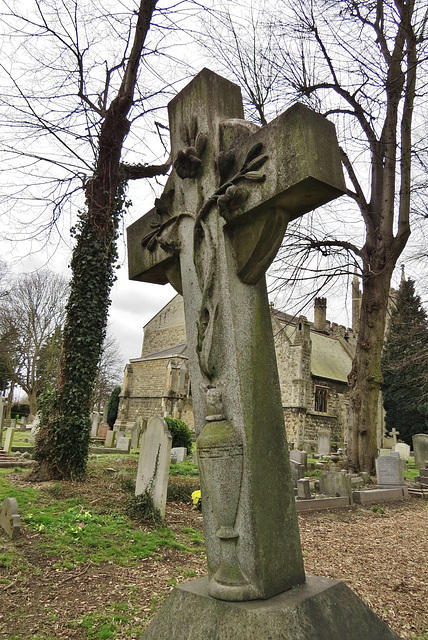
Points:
(212, 235)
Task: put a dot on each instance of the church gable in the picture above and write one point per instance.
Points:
(166, 329)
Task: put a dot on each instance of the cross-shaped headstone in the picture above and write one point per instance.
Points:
(212, 235)
(394, 434)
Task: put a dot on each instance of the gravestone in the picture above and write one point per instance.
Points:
(420, 449)
(303, 489)
(96, 419)
(8, 441)
(135, 436)
(154, 461)
(324, 442)
(34, 428)
(403, 450)
(23, 424)
(123, 443)
(301, 457)
(213, 233)
(110, 440)
(335, 483)
(394, 434)
(9, 518)
(389, 471)
(3, 407)
(179, 453)
(297, 471)
(103, 428)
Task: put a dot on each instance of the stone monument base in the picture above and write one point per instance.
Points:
(320, 609)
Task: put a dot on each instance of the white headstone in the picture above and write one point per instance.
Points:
(123, 443)
(324, 442)
(301, 457)
(110, 439)
(179, 453)
(403, 449)
(389, 471)
(154, 461)
(8, 441)
(96, 419)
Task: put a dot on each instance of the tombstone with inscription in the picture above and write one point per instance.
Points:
(389, 471)
(403, 450)
(212, 235)
(324, 442)
(154, 461)
(420, 449)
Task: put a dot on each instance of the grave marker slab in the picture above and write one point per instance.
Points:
(123, 443)
(403, 450)
(110, 440)
(9, 518)
(324, 442)
(389, 471)
(301, 457)
(8, 441)
(154, 461)
(335, 483)
(179, 453)
(420, 449)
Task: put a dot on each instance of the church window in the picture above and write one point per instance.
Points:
(320, 401)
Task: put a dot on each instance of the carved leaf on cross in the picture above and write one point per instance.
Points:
(189, 160)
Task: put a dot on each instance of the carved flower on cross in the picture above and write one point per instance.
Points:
(232, 200)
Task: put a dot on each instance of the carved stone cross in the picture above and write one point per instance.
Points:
(212, 235)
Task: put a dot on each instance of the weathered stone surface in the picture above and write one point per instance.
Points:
(377, 496)
(301, 457)
(335, 483)
(123, 443)
(322, 504)
(303, 489)
(324, 442)
(110, 438)
(214, 232)
(8, 441)
(102, 430)
(154, 461)
(297, 471)
(389, 471)
(320, 609)
(179, 453)
(420, 449)
(403, 449)
(9, 518)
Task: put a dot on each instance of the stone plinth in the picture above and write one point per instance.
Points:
(319, 609)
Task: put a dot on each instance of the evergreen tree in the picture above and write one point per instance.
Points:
(405, 365)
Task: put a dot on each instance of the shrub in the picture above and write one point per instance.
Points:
(113, 407)
(141, 508)
(180, 432)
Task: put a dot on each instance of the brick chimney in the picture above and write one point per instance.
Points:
(320, 314)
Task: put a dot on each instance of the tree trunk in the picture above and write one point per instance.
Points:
(32, 400)
(365, 378)
(62, 443)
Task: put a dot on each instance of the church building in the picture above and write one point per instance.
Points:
(314, 360)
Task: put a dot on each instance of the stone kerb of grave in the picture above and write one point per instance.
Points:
(213, 233)
(154, 461)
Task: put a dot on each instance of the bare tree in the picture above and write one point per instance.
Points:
(357, 63)
(97, 79)
(109, 374)
(30, 316)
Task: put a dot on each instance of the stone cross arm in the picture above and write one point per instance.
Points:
(259, 178)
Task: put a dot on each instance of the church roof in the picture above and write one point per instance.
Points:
(329, 358)
(172, 352)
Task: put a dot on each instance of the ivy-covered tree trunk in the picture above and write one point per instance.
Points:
(63, 439)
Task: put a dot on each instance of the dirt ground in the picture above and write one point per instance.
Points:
(382, 556)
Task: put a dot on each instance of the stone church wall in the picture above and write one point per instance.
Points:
(167, 329)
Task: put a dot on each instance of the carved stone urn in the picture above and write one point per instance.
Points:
(220, 454)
